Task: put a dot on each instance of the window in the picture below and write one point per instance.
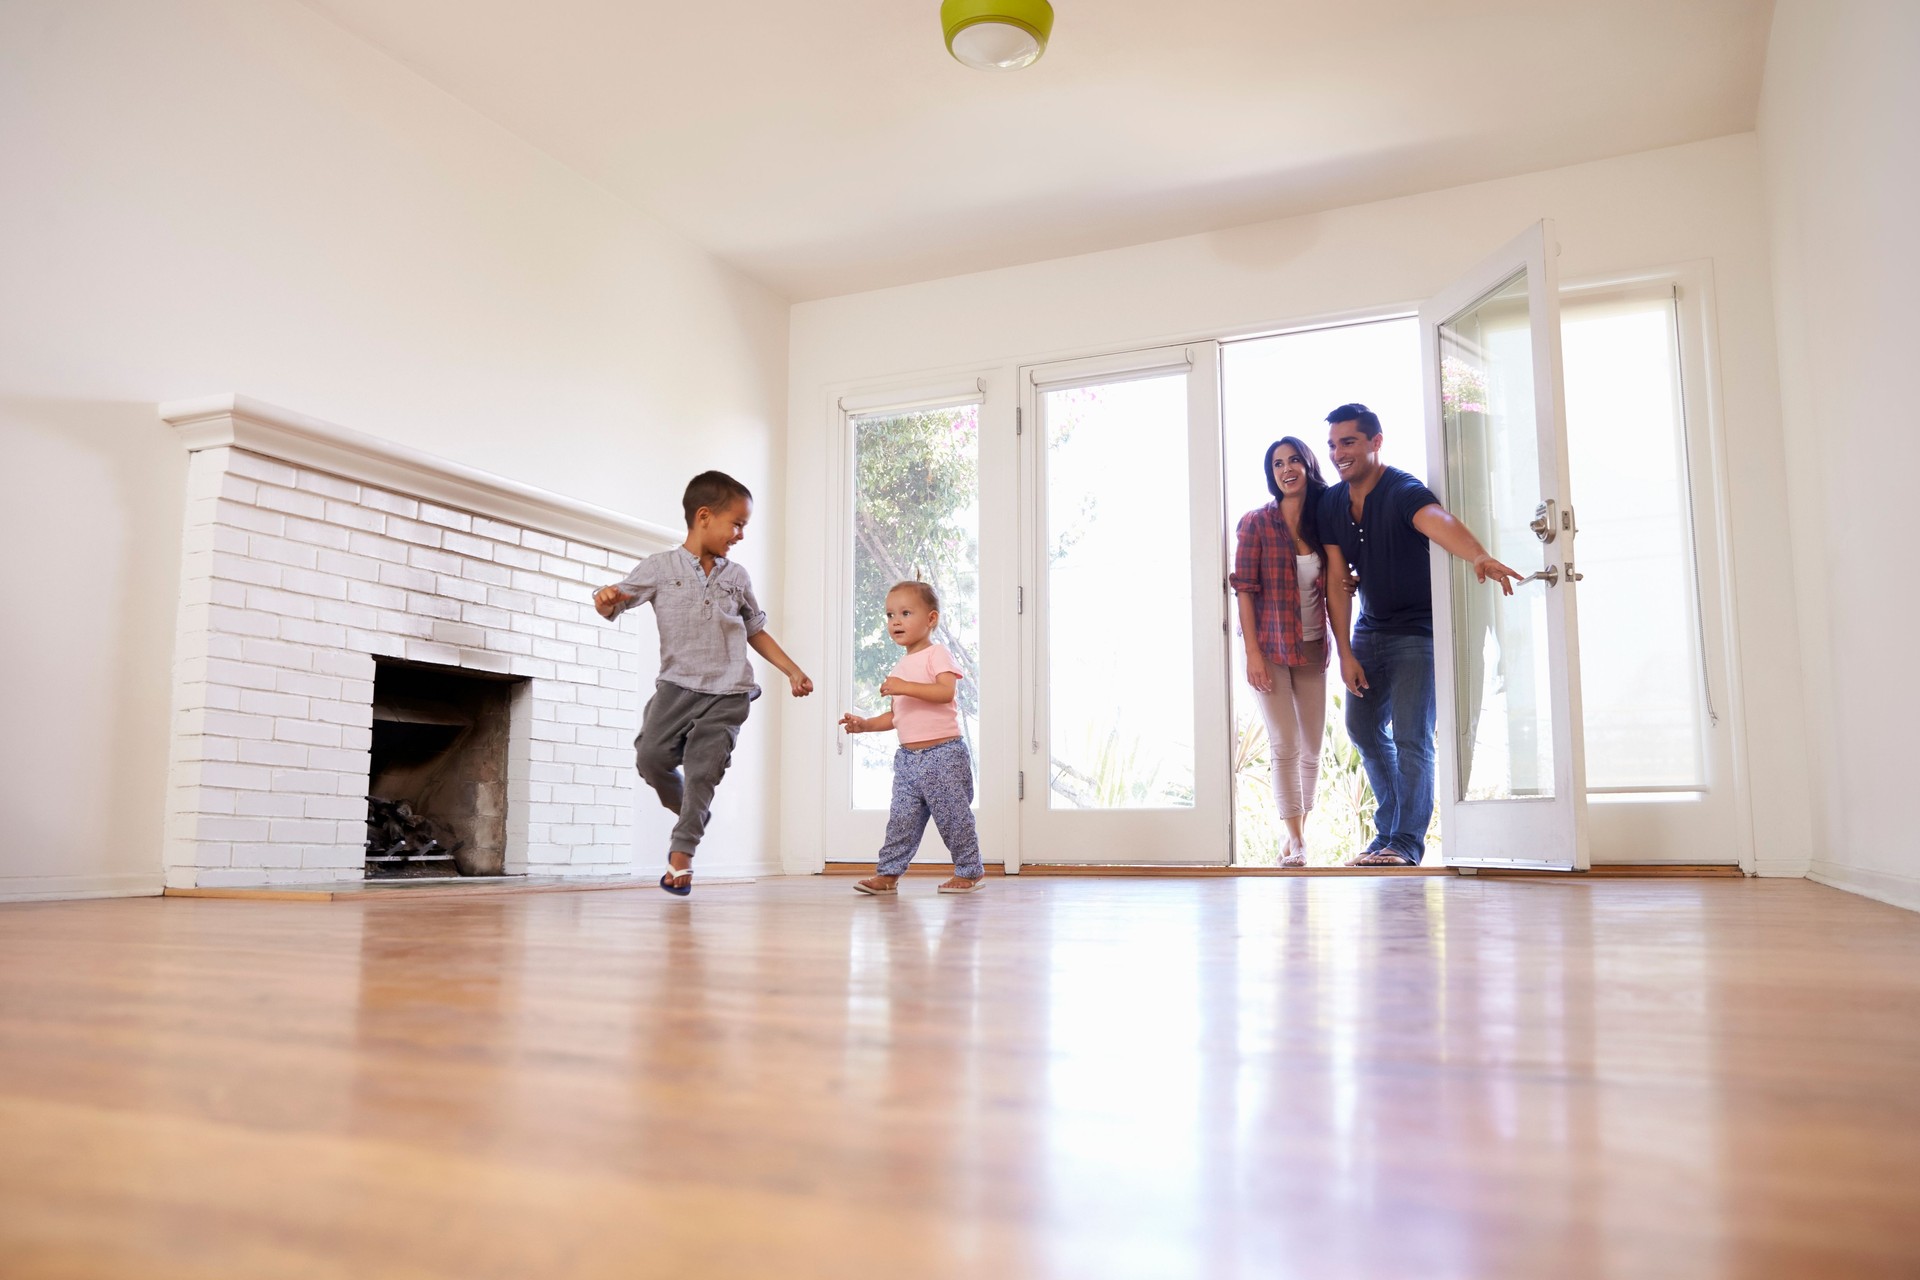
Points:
(916, 515)
(1641, 665)
(1119, 594)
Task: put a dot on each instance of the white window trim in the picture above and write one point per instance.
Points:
(1709, 516)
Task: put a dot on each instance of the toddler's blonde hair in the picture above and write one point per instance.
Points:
(928, 596)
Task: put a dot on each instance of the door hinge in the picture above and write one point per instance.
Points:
(1020, 600)
(1019, 423)
(1023, 784)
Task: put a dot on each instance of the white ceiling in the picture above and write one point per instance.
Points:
(832, 146)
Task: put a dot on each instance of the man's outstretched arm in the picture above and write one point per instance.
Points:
(1456, 539)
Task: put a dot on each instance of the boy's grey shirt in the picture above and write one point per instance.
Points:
(705, 621)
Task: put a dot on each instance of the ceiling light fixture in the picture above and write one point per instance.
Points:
(997, 35)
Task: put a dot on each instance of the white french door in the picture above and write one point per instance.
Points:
(1123, 742)
(1510, 776)
(919, 503)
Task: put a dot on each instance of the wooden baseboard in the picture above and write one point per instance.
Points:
(917, 870)
(1225, 873)
(944, 869)
(1894, 890)
(422, 890)
(1609, 871)
(1624, 871)
(71, 888)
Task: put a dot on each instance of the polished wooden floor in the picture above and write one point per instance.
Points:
(1058, 1077)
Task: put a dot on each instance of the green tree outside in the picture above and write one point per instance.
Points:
(916, 515)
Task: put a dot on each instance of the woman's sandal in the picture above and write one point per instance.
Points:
(965, 886)
(868, 886)
(673, 873)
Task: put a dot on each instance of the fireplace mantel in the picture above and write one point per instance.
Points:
(242, 422)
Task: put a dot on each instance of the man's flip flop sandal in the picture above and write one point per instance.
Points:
(668, 876)
(877, 890)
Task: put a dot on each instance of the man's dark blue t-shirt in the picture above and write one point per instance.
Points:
(1396, 594)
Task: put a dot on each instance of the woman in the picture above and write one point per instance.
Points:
(1279, 574)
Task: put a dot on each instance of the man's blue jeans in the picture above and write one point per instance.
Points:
(1393, 728)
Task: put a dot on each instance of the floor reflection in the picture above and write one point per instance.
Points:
(438, 1017)
(1244, 1066)
(1144, 1072)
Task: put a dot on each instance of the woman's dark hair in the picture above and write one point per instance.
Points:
(1310, 509)
(1314, 483)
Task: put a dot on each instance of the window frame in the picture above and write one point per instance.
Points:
(1726, 837)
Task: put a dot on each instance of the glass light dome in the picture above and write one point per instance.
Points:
(996, 35)
(995, 46)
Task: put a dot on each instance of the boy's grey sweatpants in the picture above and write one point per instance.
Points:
(696, 731)
(936, 781)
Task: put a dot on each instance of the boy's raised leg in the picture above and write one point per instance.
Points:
(708, 752)
(662, 740)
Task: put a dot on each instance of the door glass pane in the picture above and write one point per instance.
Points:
(916, 514)
(1119, 595)
(1504, 730)
(1640, 659)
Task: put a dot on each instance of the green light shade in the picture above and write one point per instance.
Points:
(996, 35)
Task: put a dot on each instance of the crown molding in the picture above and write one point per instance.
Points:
(242, 422)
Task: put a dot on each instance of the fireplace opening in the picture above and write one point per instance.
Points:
(437, 793)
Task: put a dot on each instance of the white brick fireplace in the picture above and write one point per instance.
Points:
(309, 552)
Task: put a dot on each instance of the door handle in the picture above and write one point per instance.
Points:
(1549, 575)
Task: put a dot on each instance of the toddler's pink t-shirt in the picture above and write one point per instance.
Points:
(916, 719)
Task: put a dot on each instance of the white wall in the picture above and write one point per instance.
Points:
(199, 196)
(1698, 202)
(1842, 162)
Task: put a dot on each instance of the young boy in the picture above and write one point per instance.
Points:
(708, 620)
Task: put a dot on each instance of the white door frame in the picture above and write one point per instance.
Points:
(1201, 835)
(855, 835)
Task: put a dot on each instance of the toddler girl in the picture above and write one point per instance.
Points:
(932, 770)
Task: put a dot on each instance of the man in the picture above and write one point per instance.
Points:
(1377, 522)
